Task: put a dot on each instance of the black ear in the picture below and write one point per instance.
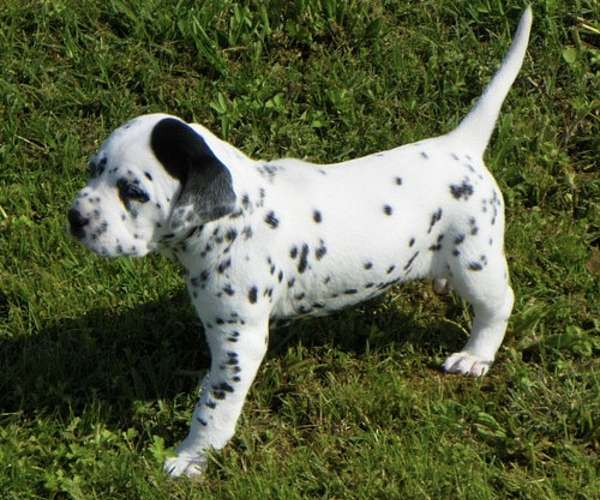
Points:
(206, 186)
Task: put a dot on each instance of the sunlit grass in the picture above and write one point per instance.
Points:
(101, 358)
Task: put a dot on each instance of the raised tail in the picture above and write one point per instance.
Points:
(476, 128)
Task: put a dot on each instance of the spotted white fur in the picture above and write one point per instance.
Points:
(264, 241)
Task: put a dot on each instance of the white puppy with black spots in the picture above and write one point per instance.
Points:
(264, 241)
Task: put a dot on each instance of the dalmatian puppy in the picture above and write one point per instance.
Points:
(265, 241)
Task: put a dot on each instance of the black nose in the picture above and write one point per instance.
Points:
(78, 222)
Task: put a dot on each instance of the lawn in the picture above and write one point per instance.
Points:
(101, 358)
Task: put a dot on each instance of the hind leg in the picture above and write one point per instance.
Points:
(484, 284)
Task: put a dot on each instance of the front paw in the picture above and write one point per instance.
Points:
(467, 364)
(185, 465)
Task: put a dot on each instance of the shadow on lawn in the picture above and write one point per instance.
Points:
(157, 350)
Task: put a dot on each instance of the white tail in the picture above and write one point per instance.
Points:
(477, 127)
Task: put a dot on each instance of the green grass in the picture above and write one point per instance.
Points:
(100, 358)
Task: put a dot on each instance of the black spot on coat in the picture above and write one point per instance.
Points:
(435, 218)
(321, 250)
(231, 234)
(411, 260)
(438, 245)
(247, 232)
(271, 220)
(224, 265)
(464, 190)
(303, 263)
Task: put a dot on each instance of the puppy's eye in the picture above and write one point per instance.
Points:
(129, 191)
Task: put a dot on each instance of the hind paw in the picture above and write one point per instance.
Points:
(183, 465)
(467, 364)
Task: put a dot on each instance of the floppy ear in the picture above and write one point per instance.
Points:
(206, 187)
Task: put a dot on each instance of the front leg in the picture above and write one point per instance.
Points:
(236, 353)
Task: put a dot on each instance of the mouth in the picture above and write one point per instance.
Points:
(111, 249)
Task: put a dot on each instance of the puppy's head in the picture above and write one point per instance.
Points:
(153, 181)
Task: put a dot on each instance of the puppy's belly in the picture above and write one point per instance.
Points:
(308, 303)
(325, 288)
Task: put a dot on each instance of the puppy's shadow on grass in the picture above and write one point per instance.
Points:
(375, 325)
(113, 359)
(108, 358)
